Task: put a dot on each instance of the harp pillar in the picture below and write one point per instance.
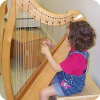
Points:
(2, 13)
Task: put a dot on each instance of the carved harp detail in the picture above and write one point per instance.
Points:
(30, 91)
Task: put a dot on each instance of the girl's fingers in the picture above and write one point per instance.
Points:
(44, 44)
(47, 39)
(44, 41)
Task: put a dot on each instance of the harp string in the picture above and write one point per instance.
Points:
(23, 47)
(30, 28)
(31, 48)
(35, 45)
(39, 55)
(19, 69)
(52, 36)
(18, 52)
(27, 46)
(15, 61)
(59, 32)
(21, 54)
(18, 55)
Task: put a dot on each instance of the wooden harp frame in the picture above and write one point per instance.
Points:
(2, 13)
(36, 12)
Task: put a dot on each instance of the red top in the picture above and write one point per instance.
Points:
(74, 64)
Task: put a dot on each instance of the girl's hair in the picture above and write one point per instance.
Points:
(81, 35)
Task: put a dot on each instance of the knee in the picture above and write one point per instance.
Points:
(43, 93)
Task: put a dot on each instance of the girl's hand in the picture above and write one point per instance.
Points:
(45, 49)
(49, 44)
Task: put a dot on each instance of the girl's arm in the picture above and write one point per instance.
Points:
(45, 50)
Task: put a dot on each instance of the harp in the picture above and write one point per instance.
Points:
(38, 79)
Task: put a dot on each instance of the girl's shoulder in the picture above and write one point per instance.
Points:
(79, 54)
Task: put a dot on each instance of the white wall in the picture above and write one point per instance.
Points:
(91, 10)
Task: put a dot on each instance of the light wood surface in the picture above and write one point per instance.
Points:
(86, 97)
(2, 13)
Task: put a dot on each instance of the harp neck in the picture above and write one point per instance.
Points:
(46, 17)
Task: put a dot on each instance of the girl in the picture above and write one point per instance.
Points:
(71, 73)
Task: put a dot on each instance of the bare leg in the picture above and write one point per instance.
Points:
(45, 93)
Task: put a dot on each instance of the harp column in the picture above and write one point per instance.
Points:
(2, 13)
(6, 50)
